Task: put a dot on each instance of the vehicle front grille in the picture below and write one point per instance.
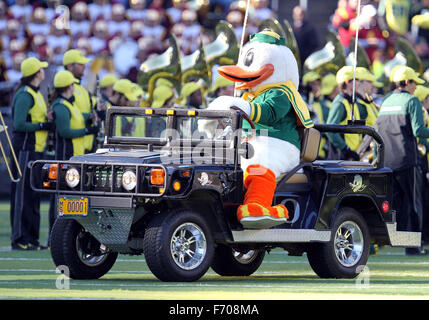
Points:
(96, 178)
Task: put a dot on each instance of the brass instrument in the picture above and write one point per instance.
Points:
(405, 56)
(224, 50)
(194, 67)
(420, 146)
(4, 128)
(366, 149)
(330, 58)
(413, 60)
(51, 141)
(362, 57)
(166, 65)
(398, 60)
(99, 106)
(422, 149)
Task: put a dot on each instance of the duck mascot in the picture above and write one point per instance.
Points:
(269, 72)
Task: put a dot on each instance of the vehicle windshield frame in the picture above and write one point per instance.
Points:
(172, 114)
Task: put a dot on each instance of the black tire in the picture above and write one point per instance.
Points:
(228, 262)
(56, 240)
(70, 247)
(334, 259)
(166, 254)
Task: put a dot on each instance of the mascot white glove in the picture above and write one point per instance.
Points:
(226, 102)
(222, 103)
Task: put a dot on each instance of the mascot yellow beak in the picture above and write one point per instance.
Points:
(249, 79)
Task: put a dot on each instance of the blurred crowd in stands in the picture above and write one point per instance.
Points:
(119, 35)
(116, 35)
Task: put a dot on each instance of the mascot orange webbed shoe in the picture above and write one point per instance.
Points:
(268, 69)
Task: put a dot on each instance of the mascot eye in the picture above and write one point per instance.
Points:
(248, 59)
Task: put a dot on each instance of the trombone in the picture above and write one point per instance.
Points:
(4, 128)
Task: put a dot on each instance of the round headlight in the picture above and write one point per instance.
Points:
(72, 177)
(129, 180)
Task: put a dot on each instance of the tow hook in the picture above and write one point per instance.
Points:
(100, 223)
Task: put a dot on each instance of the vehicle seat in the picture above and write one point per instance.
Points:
(310, 142)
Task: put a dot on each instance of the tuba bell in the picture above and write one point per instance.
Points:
(166, 65)
(405, 56)
(194, 67)
(362, 59)
(223, 50)
(330, 58)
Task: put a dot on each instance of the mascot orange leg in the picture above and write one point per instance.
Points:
(257, 211)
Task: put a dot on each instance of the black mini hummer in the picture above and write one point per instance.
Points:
(164, 187)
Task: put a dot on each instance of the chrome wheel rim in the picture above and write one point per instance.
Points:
(348, 243)
(188, 246)
(88, 259)
(245, 258)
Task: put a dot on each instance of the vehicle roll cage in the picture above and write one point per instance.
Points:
(357, 129)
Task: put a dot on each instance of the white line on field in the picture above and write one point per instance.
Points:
(238, 286)
(280, 273)
(286, 261)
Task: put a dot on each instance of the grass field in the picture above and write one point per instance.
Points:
(32, 275)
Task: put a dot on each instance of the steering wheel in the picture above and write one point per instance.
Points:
(247, 118)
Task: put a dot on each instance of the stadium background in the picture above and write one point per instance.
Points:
(119, 35)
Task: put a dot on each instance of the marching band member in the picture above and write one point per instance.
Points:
(318, 111)
(422, 93)
(400, 122)
(74, 61)
(192, 95)
(30, 133)
(340, 112)
(222, 87)
(72, 125)
(106, 87)
(126, 94)
(367, 81)
(122, 94)
(329, 89)
(163, 97)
